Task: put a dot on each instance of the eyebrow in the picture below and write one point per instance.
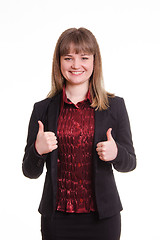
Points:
(83, 54)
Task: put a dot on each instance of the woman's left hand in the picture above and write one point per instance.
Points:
(107, 150)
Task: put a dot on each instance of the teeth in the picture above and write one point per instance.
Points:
(77, 73)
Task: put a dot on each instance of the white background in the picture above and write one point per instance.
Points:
(128, 33)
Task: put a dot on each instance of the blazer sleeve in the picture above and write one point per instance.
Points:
(33, 163)
(126, 158)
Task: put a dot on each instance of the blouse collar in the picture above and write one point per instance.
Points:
(66, 100)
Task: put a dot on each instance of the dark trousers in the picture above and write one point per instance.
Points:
(80, 226)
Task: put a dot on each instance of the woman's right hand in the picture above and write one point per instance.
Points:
(46, 141)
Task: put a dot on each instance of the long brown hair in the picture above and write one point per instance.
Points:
(83, 41)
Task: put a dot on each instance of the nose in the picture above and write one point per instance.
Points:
(76, 64)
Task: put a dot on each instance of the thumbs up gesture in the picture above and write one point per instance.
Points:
(46, 141)
(107, 150)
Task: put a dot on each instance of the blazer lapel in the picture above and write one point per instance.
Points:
(102, 123)
(53, 113)
(52, 119)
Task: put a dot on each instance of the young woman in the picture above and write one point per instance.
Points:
(80, 132)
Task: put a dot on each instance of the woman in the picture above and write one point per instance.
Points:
(79, 131)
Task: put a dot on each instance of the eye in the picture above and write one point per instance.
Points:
(67, 58)
(84, 58)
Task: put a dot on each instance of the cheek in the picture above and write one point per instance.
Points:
(63, 67)
(90, 68)
(91, 65)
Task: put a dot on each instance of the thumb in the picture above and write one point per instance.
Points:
(109, 135)
(41, 127)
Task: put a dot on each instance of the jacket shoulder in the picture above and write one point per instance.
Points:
(115, 100)
(116, 107)
(43, 104)
(115, 103)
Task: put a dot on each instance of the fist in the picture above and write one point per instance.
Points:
(46, 141)
(107, 150)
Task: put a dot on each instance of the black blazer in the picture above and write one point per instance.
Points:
(115, 117)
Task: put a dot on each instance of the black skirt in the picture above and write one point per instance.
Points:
(80, 226)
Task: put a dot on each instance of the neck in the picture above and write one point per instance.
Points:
(76, 93)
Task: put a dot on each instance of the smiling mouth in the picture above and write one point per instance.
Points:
(77, 72)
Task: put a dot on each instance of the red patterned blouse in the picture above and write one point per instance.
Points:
(75, 135)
